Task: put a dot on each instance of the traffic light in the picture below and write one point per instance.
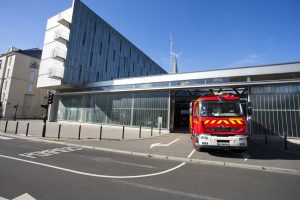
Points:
(50, 97)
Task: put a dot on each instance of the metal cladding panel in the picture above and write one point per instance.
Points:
(276, 110)
(97, 52)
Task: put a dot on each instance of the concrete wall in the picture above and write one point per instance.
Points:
(56, 25)
(19, 88)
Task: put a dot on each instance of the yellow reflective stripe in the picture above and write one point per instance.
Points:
(232, 121)
(206, 121)
(213, 121)
(225, 121)
(239, 121)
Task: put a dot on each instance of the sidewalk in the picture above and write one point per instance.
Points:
(70, 130)
(278, 143)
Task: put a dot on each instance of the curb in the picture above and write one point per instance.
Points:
(172, 158)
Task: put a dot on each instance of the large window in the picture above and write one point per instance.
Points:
(132, 109)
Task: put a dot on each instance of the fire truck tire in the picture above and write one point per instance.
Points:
(197, 148)
(239, 150)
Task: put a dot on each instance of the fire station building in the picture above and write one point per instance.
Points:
(100, 77)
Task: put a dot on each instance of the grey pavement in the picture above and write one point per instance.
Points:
(43, 177)
(259, 154)
(70, 130)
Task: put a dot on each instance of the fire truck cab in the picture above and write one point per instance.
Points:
(217, 121)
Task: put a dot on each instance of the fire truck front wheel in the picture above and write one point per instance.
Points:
(198, 148)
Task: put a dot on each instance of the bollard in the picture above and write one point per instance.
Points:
(100, 138)
(6, 126)
(151, 129)
(59, 128)
(27, 129)
(140, 133)
(17, 125)
(285, 142)
(79, 132)
(266, 138)
(159, 129)
(123, 133)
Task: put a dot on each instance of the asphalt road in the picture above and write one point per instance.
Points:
(52, 171)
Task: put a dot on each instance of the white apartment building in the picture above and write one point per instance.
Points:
(18, 76)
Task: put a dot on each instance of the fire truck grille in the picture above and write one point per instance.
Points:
(220, 129)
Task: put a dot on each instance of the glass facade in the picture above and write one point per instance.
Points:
(276, 110)
(144, 109)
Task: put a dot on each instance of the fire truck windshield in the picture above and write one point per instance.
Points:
(221, 108)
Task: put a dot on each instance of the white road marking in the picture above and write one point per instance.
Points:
(169, 191)
(91, 174)
(190, 155)
(163, 145)
(246, 156)
(25, 196)
(50, 152)
(5, 138)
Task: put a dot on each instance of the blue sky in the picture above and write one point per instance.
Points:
(207, 34)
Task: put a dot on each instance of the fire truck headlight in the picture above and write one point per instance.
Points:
(242, 138)
(204, 137)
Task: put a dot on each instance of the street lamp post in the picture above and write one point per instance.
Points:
(16, 110)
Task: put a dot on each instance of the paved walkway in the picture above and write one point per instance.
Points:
(71, 130)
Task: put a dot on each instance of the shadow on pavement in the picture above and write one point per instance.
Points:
(258, 150)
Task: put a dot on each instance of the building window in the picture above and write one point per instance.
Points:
(95, 27)
(5, 84)
(9, 60)
(79, 73)
(100, 47)
(98, 76)
(34, 65)
(109, 38)
(114, 55)
(91, 59)
(138, 59)
(133, 67)
(32, 75)
(84, 38)
(129, 52)
(106, 65)
(0, 64)
(120, 46)
(7, 74)
(30, 87)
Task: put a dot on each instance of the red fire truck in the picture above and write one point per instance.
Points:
(217, 121)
